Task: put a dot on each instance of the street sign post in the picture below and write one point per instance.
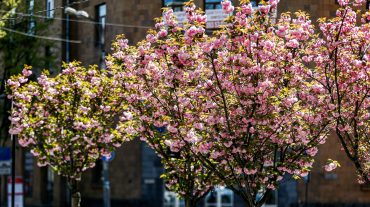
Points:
(105, 179)
(18, 192)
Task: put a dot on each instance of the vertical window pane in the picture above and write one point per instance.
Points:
(31, 24)
(213, 4)
(254, 3)
(102, 15)
(272, 199)
(50, 8)
(102, 10)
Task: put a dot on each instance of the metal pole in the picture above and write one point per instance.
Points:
(106, 184)
(67, 34)
(306, 192)
(13, 167)
(68, 192)
(13, 170)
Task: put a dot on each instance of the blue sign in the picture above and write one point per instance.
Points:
(5, 161)
(5, 154)
(112, 156)
(162, 129)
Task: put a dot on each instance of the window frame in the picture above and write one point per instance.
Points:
(220, 191)
(50, 7)
(173, 7)
(101, 19)
(32, 22)
(214, 4)
(176, 202)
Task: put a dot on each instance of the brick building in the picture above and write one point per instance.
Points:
(135, 170)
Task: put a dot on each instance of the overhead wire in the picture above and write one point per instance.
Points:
(62, 19)
(82, 21)
(62, 7)
(40, 36)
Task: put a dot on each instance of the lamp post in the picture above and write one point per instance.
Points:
(77, 13)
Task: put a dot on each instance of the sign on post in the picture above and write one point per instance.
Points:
(18, 195)
(112, 156)
(5, 161)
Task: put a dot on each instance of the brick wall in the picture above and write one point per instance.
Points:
(336, 187)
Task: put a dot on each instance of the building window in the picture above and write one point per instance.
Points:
(101, 19)
(50, 8)
(31, 24)
(220, 197)
(212, 4)
(171, 199)
(28, 174)
(101, 11)
(175, 5)
(50, 184)
(216, 4)
(255, 2)
(272, 201)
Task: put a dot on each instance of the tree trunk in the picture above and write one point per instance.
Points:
(190, 203)
(76, 199)
(75, 194)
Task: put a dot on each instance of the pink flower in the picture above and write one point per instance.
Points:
(151, 38)
(16, 84)
(172, 129)
(343, 2)
(247, 9)
(250, 172)
(162, 33)
(293, 43)
(128, 115)
(227, 7)
(330, 167)
(312, 151)
(26, 72)
(273, 3)
(264, 9)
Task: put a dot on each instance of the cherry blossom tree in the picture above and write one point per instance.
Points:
(69, 121)
(146, 89)
(238, 101)
(342, 59)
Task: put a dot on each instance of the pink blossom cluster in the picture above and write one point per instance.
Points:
(342, 64)
(238, 105)
(69, 121)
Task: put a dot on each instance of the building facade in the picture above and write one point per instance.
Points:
(134, 172)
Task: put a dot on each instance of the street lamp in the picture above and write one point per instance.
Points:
(77, 13)
(105, 178)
